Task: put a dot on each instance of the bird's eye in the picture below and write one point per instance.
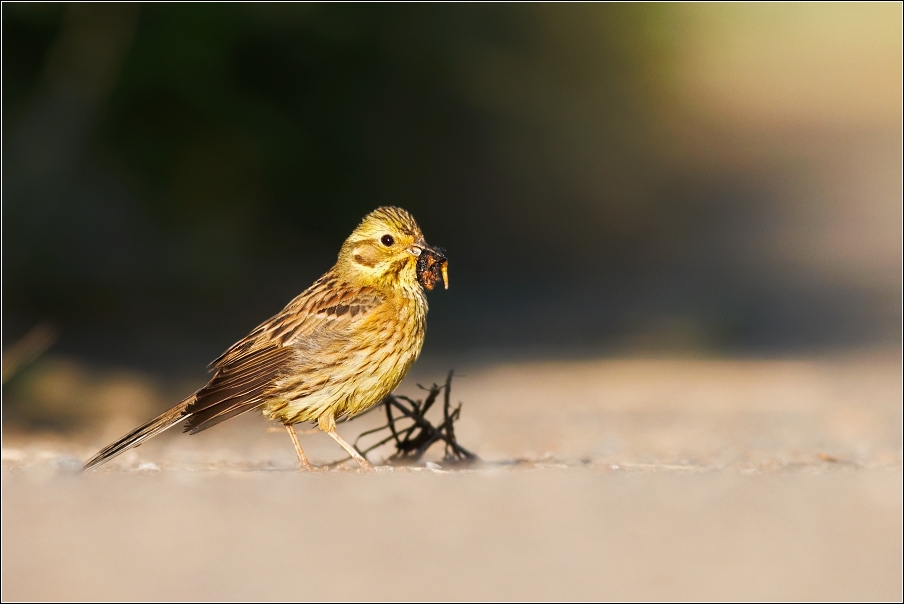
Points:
(387, 240)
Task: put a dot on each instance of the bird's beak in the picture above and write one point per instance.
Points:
(432, 264)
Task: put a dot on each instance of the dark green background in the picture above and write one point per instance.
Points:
(174, 174)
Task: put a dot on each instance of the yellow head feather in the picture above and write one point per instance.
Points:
(382, 251)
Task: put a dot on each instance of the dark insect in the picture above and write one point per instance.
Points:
(432, 266)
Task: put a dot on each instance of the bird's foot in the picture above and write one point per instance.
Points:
(312, 468)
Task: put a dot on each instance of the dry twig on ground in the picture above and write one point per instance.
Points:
(412, 432)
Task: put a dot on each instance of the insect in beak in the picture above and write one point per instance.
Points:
(432, 265)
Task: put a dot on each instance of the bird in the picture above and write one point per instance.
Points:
(334, 351)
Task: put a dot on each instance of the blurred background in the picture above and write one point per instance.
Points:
(608, 179)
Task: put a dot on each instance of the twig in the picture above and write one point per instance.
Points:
(28, 348)
(414, 439)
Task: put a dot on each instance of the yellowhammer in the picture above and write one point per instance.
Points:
(336, 350)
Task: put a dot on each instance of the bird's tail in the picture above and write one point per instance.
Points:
(162, 422)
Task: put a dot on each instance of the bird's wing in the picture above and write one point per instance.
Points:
(247, 371)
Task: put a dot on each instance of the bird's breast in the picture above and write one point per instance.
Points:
(368, 361)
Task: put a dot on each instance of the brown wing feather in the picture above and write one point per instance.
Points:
(236, 388)
(247, 371)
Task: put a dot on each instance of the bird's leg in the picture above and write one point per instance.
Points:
(351, 450)
(328, 425)
(302, 458)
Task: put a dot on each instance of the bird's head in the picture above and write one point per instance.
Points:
(388, 250)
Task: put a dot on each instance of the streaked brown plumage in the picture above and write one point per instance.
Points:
(334, 351)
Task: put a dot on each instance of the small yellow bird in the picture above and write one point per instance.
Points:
(336, 350)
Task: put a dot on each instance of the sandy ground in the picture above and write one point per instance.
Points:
(611, 479)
